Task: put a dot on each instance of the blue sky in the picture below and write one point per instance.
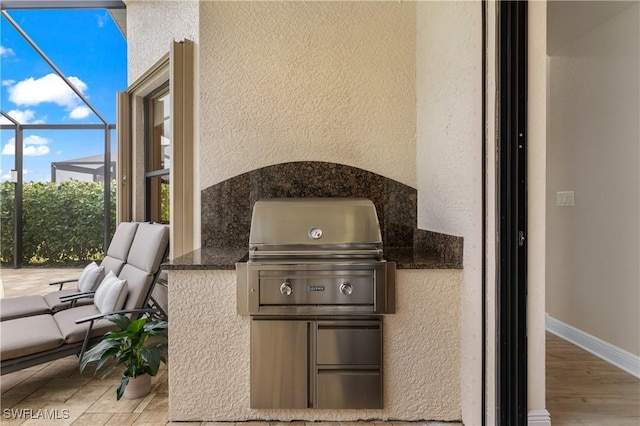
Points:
(90, 51)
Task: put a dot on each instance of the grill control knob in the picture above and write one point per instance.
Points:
(346, 289)
(286, 289)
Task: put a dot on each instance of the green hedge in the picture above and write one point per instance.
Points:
(62, 222)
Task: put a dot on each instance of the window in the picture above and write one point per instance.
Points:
(158, 155)
(156, 177)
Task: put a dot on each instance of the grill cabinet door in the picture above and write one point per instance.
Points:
(279, 363)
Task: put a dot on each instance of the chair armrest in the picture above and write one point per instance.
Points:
(77, 296)
(63, 282)
(126, 311)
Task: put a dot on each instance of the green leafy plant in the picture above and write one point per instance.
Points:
(128, 347)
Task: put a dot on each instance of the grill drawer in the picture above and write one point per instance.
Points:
(349, 389)
(349, 344)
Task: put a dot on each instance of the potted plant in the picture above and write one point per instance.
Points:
(128, 347)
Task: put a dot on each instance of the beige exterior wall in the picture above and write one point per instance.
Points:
(594, 139)
(152, 26)
(209, 352)
(449, 158)
(298, 81)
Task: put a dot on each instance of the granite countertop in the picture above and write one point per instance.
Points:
(207, 258)
(409, 258)
(225, 259)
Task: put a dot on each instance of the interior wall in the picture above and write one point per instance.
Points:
(593, 247)
(449, 157)
(307, 81)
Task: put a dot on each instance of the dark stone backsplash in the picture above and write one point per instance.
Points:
(227, 206)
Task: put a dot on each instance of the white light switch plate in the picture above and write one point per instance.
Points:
(565, 198)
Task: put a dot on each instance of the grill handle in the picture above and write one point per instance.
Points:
(325, 254)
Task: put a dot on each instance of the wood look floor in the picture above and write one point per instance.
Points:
(581, 388)
(584, 390)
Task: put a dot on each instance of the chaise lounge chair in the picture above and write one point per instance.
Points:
(32, 340)
(18, 307)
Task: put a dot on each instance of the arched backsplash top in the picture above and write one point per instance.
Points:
(227, 206)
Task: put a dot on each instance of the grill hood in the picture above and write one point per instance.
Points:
(310, 226)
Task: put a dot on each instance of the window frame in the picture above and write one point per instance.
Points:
(176, 67)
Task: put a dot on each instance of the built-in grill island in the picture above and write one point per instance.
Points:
(315, 352)
(316, 285)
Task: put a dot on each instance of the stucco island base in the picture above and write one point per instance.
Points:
(209, 352)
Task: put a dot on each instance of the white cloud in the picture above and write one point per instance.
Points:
(34, 145)
(9, 148)
(8, 82)
(35, 150)
(26, 116)
(80, 112)
(6, 51)
(50, 88)
(36, 140)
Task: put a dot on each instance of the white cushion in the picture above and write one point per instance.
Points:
(90, 278)
(111, 294)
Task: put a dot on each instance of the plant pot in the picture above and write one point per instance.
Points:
(137, 387)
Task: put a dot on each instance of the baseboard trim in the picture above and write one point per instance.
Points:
(538, 418)
(614, 355)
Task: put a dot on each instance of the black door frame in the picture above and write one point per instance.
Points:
(511, 286)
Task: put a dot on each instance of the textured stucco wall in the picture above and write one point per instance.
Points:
(152, 26)
(209, 352)
(449, 146)
(307, 81)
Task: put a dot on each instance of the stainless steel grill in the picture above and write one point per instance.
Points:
(313, 282)
(315, 256)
